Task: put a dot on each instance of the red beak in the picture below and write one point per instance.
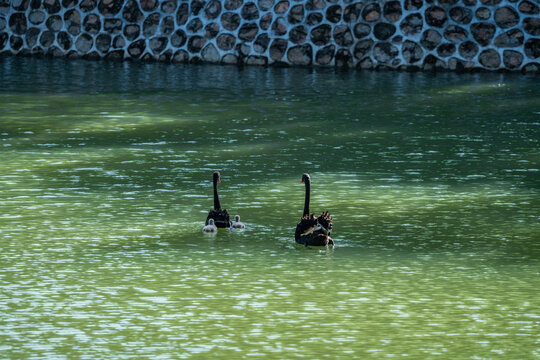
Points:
(219, 180)
(301, 181)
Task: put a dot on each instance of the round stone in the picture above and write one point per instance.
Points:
(461, 15)
(278, 47)
(362, 48)
(435, 16)
(261, 43)
(325, 55)
(372, 12)
(361, 30)
(226, 42)
(132, 31)
(103, 42)
(483, 13)
(446, 50)
(298, 34)
(210, 54)
(531, 26)
(430, 39)
(110, 7)
(178, 38)
(84, 43)
(468, 49)
(230, 21)
(343, 35)
(532, 48)
(248, 31)
(483, 32)
(333, 13)
(17, 23)
(385, 52)
(455, 34)
(321, 35)
(300, 55)
(506, 17)
(250, 11)
(392, 11)
(54, 23)
(412, 24)
(490, 59)
(296, 14)
(511, 38)
(412, 52)
(384, 31)
(36, 17)
(92, 24)
(512, 59)
(212, 10)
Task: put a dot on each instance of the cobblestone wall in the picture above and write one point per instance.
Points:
(458, 35)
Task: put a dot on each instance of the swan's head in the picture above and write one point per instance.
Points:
(210, 221)
(305, 179)
(217, 176)
(237, 218)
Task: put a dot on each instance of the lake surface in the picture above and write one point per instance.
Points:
(106, 180)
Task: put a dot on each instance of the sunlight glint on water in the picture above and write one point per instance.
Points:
(433, 183)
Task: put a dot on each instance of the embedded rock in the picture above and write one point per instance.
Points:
(363, 48)
(461, 15)
(278, 47)
(490, 59)
(506, 17)
(296, 14)
(210, 54)
(84, 43)
(300, 55)
(435, 16)
(372, 12)
(321, 35)
(250, 11)
(361, 30)
(412, 24)
(392, 11)
(512, 59)
(384, 31)
(325, 55)
(298, 34)
(483, 32)
(412, 52)
(226, 42)
(468, 49)
(385, 52)
(431, 39)
(511, 38)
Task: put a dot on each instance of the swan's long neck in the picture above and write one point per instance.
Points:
(217, 206)
(306, 202)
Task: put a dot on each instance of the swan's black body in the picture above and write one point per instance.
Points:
(221, 217)
(311, 230)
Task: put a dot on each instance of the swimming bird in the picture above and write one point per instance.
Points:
(311, 230)
(221, 217)
(211, 227)
(237, 224)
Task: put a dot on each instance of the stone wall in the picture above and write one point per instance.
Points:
(458, 35)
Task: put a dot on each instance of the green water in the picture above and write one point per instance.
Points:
(105, 182)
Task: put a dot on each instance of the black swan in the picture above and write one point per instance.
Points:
(211, 227)
(311, 230)
(221, 217)
(237, 224)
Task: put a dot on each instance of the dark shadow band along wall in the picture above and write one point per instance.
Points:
(455, 35)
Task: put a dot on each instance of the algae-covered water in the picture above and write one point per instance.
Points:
(105, 182)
